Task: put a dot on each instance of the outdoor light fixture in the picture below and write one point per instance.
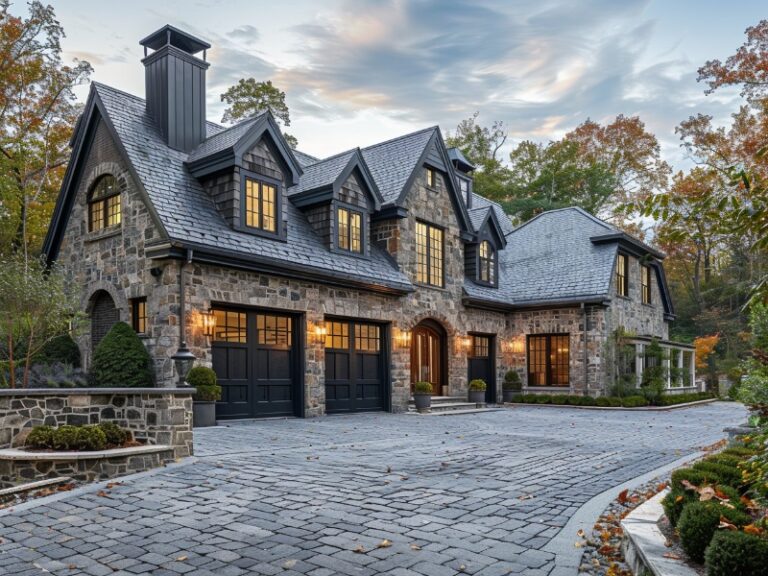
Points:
(403, 338)
(318, 332)
(183, 360)
(208, 321)
(466, 342)
(516, 345)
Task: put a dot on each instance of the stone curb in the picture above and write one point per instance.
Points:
(567, 555)
(620, 408)
(50, 456)
(93, 487)
(643, 542)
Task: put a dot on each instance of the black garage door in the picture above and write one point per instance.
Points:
(354, 367)
(482, 363)
(254, 356)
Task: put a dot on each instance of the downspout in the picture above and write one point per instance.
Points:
(586, 352)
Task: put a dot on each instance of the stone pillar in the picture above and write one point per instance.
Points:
(639, 362)
(693, 368)
(668, 366)
(680, 355)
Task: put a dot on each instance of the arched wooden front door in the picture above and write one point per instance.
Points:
(428, 355)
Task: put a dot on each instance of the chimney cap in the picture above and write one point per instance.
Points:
(170, 35)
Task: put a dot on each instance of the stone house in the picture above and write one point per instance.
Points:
(330, 285)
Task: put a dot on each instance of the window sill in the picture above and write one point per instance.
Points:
(648, 305)
(621, 296)
(431, 286)
(102, 234)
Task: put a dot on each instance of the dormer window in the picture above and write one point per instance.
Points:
(487, 263)
(350, 230)
(261, 207)
(104, 210)
(431, 178)
(464, 189)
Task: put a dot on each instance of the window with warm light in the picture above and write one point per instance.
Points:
(486, 263)
(260, 205)
(549, 360)
(480, 346)
(429, 255)
(431, 178)
(104, 209)
(273, 330)
(230, 326)
(622, 275)
(139, 315)
(645, 284)
(337, 335)
(350, 230)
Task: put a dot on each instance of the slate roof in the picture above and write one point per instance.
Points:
(188, 214)
(392, 162)
(551, 258)
(322, 173)
(221, 140)
(304, 159)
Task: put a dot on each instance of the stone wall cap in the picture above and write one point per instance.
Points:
(94, 391)
(47, 456)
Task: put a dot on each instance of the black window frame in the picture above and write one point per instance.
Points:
(137, 319)
(548, 359)
(431, 177)
(490, 264)
(350, 209)
(279, 232)
(622, 281)
(103, 202)
(429, 281)
(466, 195)
(645, 285)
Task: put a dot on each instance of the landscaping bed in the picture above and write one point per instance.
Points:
(635, 401)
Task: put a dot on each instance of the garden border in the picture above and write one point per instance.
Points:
(639, 408)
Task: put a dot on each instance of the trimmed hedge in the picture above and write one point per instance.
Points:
(728, 475)
(672, 399)
(121, 360)
(677, 499)
(478, 385)
(203, 380)
(67, 437)
(698, 524)
(635, 401)
(731, 553)
(695, 477)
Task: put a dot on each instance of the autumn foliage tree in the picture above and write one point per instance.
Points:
(38, 112)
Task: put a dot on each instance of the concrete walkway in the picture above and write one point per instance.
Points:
(405, 495)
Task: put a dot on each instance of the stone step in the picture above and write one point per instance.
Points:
(454, 412)
(448, 406)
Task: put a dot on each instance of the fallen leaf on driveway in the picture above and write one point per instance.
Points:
(580, 533)
(417, 547)
(288, 564)
(102, 494)
(359, 549)
(384, 544)
(671, 556)
(623, 497)
(525, 497)
(181, 558)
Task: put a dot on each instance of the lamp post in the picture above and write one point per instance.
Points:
(183, 359)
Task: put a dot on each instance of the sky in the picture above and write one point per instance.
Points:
(360, 72)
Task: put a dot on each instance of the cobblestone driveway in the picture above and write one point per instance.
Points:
(357, 495)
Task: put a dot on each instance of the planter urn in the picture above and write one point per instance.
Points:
(203, 414)
(477, 396)
(509, 394)
(422, 402)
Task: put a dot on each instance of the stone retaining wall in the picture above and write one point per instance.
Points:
(155, 416)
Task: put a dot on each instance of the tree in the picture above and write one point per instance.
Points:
(556, 175)
(37, 305)
(249, 98)
(38, 111)
(482, 145)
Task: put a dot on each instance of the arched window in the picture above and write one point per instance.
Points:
(487, 263)
(104, 204)
(104, 315)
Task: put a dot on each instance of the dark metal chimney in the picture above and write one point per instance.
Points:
(175, 86)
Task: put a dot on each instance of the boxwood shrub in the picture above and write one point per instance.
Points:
(733, 553)
(40, 437)
(695, 477)
(203, 380)
(67, 437)
(560, 399)
(115, 435)
(121, 360)
(477, 385)
(728, 475)
(677, 499)
(543, 399)
(634, 401)
(698, 524)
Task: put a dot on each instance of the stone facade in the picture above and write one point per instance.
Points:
(154, 417)
(114, 262)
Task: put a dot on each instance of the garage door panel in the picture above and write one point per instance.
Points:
(368, 367)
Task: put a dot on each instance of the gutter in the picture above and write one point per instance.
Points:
(474, 302)
(206, 255)
(586, 353)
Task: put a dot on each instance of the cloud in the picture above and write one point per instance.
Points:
(246, 32)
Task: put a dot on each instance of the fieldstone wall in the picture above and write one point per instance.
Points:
(629, 312)
(154, 416)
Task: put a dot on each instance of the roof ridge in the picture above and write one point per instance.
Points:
(321, 160)
(435, 127)
(564, 209)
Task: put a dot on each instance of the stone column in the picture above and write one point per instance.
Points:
(693, 368)
(668, 366)
(680, 355)
(639, 362)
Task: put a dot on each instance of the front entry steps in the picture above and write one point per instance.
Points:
(451, 406)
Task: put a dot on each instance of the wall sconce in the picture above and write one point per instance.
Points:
(318, 332)
(516, 345)
(403, 338)
(208, 322)
(466, 343)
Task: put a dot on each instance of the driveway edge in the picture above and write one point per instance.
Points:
(568, 556)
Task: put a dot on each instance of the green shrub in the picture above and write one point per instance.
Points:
(574, 400)
(41, 437)
(728, 475)
(603, 401)
(677, 499)
(559, 399)
(529, 398)
(733, 553)
(203, 379)
(120, 360)
(726, 459)
(90, 438)
(614, 401)
(62, 349)
(517, 398)
(477, 385)
(512, 381)
(65, 438)
(698, 523)
(695, 477)
(634, 401)
(543, 399)
(114, 434)
(422, 388)
(588, 401)
(740, 450)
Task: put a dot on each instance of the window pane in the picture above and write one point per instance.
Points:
(549, 360)
(435, 256)
(113, 210)
(338, 335)
(96, 215)
(252, 204)
(621, 275)
(230, 326)
(355, 229)
(537, 361)
(480, 346)
(367, 337)
(559, 358)
(343, 216)
(139, 313)
(268, 194)
(421, 253)
(273, 330)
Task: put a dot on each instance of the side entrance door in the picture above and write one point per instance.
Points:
(354, 367)
(255, 358)
(482, 363)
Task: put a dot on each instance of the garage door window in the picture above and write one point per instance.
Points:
(230, 326)
(337, 336)
(366, 338)
(273, 330)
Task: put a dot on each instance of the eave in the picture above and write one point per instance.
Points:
(474, 302)
(630, 244)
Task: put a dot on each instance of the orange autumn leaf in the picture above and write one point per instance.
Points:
(752, 529)
(623, 496)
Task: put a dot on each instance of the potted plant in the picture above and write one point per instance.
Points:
(512, 385)
(422, 396)
(207, 392)
(477, 391)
